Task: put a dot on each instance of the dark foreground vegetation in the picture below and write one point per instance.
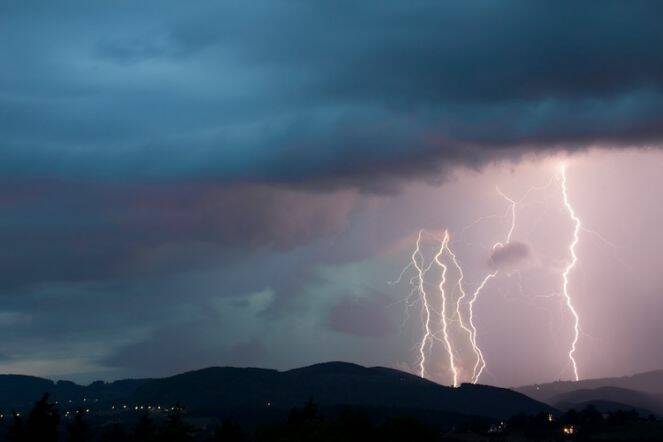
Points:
(45, 423)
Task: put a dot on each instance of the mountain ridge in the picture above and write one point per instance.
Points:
(650, 382)
(215, 391)
(642, 392)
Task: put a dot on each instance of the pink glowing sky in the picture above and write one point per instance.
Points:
(524, 328)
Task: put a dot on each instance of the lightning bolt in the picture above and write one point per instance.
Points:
(443, 314)
(565, 276)
(471, 330)
(513, 218)
(418, 266)
(480, 364)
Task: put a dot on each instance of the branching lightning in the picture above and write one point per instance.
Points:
(443, 313)
(574, 259)
(417, 262)
(443, 258)
(471, 330)
(481, 363)
(424, 297)
(513, 218)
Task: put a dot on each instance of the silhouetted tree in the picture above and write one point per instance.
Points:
(353, 425)
(303, 425)
(621, 417)
(116, 433)
(571, 417)
(16, 431)
(229, 431)
(519, 420)
(307, 414)
(535, 427)
(43, 421)
(405, 429)
(145, 431)
(174, 428)
(79, 430)
(590, 421)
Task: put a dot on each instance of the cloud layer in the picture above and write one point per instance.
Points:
(366, 316)
(509, 256)
(324, 94)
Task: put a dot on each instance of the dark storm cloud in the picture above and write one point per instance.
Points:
(169, 349)
(247, 352)
(66, 231)
(509, 255)
(328, 94)
(364, 316)
(181, 347)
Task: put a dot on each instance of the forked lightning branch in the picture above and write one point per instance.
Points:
(438, 310)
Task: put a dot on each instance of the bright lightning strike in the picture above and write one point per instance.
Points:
(420, 266)
(443, 314)
(416, 255)
(513, 219)
(471, 330)
(417, 262)
(480, 364)
(567, 271)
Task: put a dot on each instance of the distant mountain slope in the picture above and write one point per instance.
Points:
(649, 382)
(19, 391)
(330, 384)
(628, 398)
(250, 391)
(604, 407)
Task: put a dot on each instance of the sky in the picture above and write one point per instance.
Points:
(184, 186)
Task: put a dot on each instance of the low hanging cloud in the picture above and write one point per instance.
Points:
(509, 256)
(133, 230)
(366, 316)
